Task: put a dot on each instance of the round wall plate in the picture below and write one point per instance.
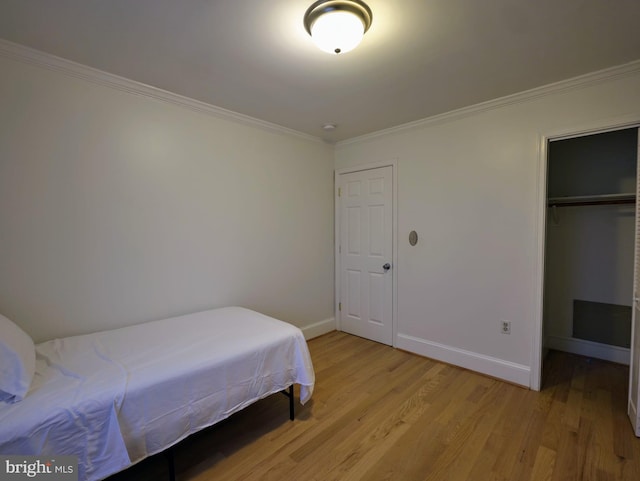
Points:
(413, 237)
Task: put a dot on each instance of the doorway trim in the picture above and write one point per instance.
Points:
(393, 163)
(590, 128)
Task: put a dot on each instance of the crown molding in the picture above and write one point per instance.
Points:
(581, 81)
(48, 61)
(51, 62)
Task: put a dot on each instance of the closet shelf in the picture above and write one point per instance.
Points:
(604, 199)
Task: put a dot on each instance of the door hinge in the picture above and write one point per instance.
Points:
(340, 306)
(339, 191)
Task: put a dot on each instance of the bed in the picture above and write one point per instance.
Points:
(113, 398)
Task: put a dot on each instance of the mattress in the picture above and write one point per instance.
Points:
(115, 397)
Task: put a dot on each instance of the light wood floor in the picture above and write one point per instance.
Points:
(382, 414)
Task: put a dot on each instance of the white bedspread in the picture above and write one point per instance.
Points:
(115, 397)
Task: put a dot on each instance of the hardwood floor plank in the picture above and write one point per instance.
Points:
(553, 429)
(544, 464)
(571, 418)
(567, 468)
(516, 456)
(458, 461)
(354, 455)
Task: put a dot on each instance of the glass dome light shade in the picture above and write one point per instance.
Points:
(337, 31)
(337, 26)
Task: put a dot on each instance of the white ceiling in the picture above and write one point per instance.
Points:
(420, 57)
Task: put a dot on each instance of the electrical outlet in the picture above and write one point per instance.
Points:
(505, 327)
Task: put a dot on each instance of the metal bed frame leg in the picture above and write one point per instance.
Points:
(291, 404)
(289, 393)
(171, 464)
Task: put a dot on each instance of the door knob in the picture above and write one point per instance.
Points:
(387, 266)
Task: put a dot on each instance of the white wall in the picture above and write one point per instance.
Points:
(469, 184)
(116, 208)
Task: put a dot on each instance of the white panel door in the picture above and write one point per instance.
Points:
(365, 249)
(634, 367)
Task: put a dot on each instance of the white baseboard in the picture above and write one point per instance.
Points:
(582, 347)
(491, 366)
(319, 328)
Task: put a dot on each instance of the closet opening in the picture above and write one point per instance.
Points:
(588, 289)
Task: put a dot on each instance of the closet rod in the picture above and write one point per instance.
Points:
(591, 202)
(603, 199)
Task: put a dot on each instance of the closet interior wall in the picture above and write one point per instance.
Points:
(589, 250)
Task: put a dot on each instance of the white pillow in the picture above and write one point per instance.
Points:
(17, 361)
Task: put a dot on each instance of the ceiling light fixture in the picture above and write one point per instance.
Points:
(337, 26)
